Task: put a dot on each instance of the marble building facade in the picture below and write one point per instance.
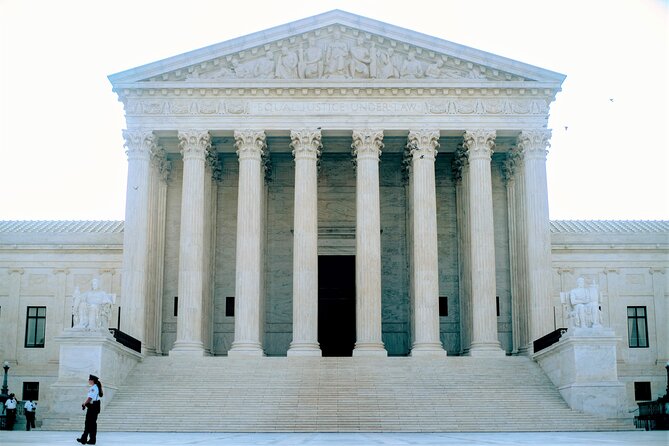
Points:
(332, 135)
(336, 186)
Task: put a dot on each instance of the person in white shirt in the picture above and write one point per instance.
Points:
(92, 403)
(10, 409)
(29, 411)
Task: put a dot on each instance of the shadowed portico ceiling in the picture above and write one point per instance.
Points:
(333, 49)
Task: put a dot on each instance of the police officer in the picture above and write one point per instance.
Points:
(92, 404)
(29, 410)
(10, 407)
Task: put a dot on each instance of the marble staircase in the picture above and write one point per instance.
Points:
(278, 394)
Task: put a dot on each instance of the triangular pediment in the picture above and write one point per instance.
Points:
(333, 47)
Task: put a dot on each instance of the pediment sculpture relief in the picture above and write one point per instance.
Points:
(336, 55)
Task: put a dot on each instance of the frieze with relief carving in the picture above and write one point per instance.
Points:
(336, 53)
(457, 106)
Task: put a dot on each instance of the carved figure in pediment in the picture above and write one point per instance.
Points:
(384, 65)
(311, 61)
(264, 67)
(411, 68)
(244, 70)
(223, 72)
(286, 64)
(337, 57)
(434, 69)
(361, 59)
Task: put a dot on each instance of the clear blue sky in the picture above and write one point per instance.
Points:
(62, 155)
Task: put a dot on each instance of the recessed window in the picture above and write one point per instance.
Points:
(30, 391)
(35, 327)
(230, 306)
(176, 306)
(443, 306)
(637, 327)
(642, 391)
(497, 304)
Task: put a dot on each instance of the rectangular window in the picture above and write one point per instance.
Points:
(497, 304)
(30, 391)
(35, 327)
(230, 306)
(637, 327)
(642, 391)
(443, 306)
(176, 306)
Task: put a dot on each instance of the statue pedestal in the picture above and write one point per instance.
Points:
(582, 365)
(82, 353)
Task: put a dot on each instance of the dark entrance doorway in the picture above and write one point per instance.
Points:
(336, 305)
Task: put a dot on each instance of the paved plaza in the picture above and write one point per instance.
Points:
(629, 438)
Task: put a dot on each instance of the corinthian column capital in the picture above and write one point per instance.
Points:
(139, 143)
(423, 143)
(367, 143)
(534, 142)
(250, 144)
(194, 143)
(306, 143)
(479, 143)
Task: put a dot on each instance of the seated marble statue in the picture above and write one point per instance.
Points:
(92, 309)
(582, 305)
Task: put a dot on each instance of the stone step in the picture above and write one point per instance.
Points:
(342, 395)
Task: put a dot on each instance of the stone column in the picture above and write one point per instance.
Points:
(516, 254)
(461, 175)
(367, 145)
(306, 145)
(156, 237)
(422, 151)
(479, 145)
(161, 169)
(194, 146)
(533, 144)
(250, 146)
(213, 177)
(139, 144)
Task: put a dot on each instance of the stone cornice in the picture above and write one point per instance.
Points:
(350, 88)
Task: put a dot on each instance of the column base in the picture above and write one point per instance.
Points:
(486, 350)
(239, 349)
(369, 349)
(187, 348)
(304, 349)
(428, 349)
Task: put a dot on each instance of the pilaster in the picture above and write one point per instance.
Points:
(250, 146)
(367, 145)
(13, 339)
(660, 301)
(479, 145)
(306, 145)
(422, 150)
